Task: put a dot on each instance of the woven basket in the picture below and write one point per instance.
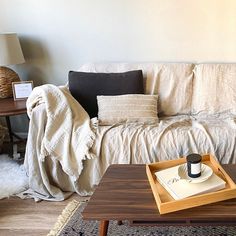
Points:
(7, 76)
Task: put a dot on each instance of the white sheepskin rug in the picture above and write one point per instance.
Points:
(13, 178)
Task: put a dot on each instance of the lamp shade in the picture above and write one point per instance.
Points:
(10, 50)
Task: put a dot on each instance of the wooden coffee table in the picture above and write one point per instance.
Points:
(124, 193)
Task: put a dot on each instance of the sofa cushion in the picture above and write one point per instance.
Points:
(214, 89)
(171, 81)
(171, 138)
(86, 86)
(127, 108)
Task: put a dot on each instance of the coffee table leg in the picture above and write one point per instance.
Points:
(119, 222)
(103, 227)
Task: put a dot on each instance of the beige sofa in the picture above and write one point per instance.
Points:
(196, 109)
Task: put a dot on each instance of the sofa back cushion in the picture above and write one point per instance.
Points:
(85, 86)
(172, 82)
(214, 90)
(127, 108)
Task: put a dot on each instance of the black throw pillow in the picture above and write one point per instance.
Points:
(85, 86)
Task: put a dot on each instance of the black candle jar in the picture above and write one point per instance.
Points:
(194, 165)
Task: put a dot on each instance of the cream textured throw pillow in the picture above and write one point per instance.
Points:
(127, 108)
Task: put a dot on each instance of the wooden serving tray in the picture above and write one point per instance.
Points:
(166, 203)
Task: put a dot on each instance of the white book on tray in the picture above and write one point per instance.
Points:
(181, 189)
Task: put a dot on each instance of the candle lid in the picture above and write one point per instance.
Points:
(194, 158)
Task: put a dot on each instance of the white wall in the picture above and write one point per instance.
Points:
(60, 35)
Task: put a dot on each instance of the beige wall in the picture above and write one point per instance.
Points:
(60, 35)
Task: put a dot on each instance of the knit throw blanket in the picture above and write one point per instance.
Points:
(68, 133)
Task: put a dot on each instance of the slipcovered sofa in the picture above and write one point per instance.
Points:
(196, 111)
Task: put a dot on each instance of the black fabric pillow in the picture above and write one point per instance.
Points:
(85, 86)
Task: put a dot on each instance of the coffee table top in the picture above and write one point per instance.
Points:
(124, 193)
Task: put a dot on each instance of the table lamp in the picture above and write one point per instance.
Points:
(10, 54)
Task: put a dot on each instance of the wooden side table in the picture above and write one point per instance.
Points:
(9, 107)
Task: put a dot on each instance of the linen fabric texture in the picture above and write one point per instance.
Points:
(127, 108)
(214, 90)
(85, 87)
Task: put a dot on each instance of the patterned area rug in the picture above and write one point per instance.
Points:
(70, 223)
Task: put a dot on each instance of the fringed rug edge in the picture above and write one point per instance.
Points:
(65, 216)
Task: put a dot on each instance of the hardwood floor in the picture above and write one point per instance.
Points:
(26, 217)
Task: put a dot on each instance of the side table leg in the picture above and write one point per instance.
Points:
(9, 128)
(103, 228)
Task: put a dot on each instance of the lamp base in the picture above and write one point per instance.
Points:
(7, 76)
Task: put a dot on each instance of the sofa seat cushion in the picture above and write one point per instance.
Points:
(172, 82)
(214, 90)
(85, 87)
(172, 138)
